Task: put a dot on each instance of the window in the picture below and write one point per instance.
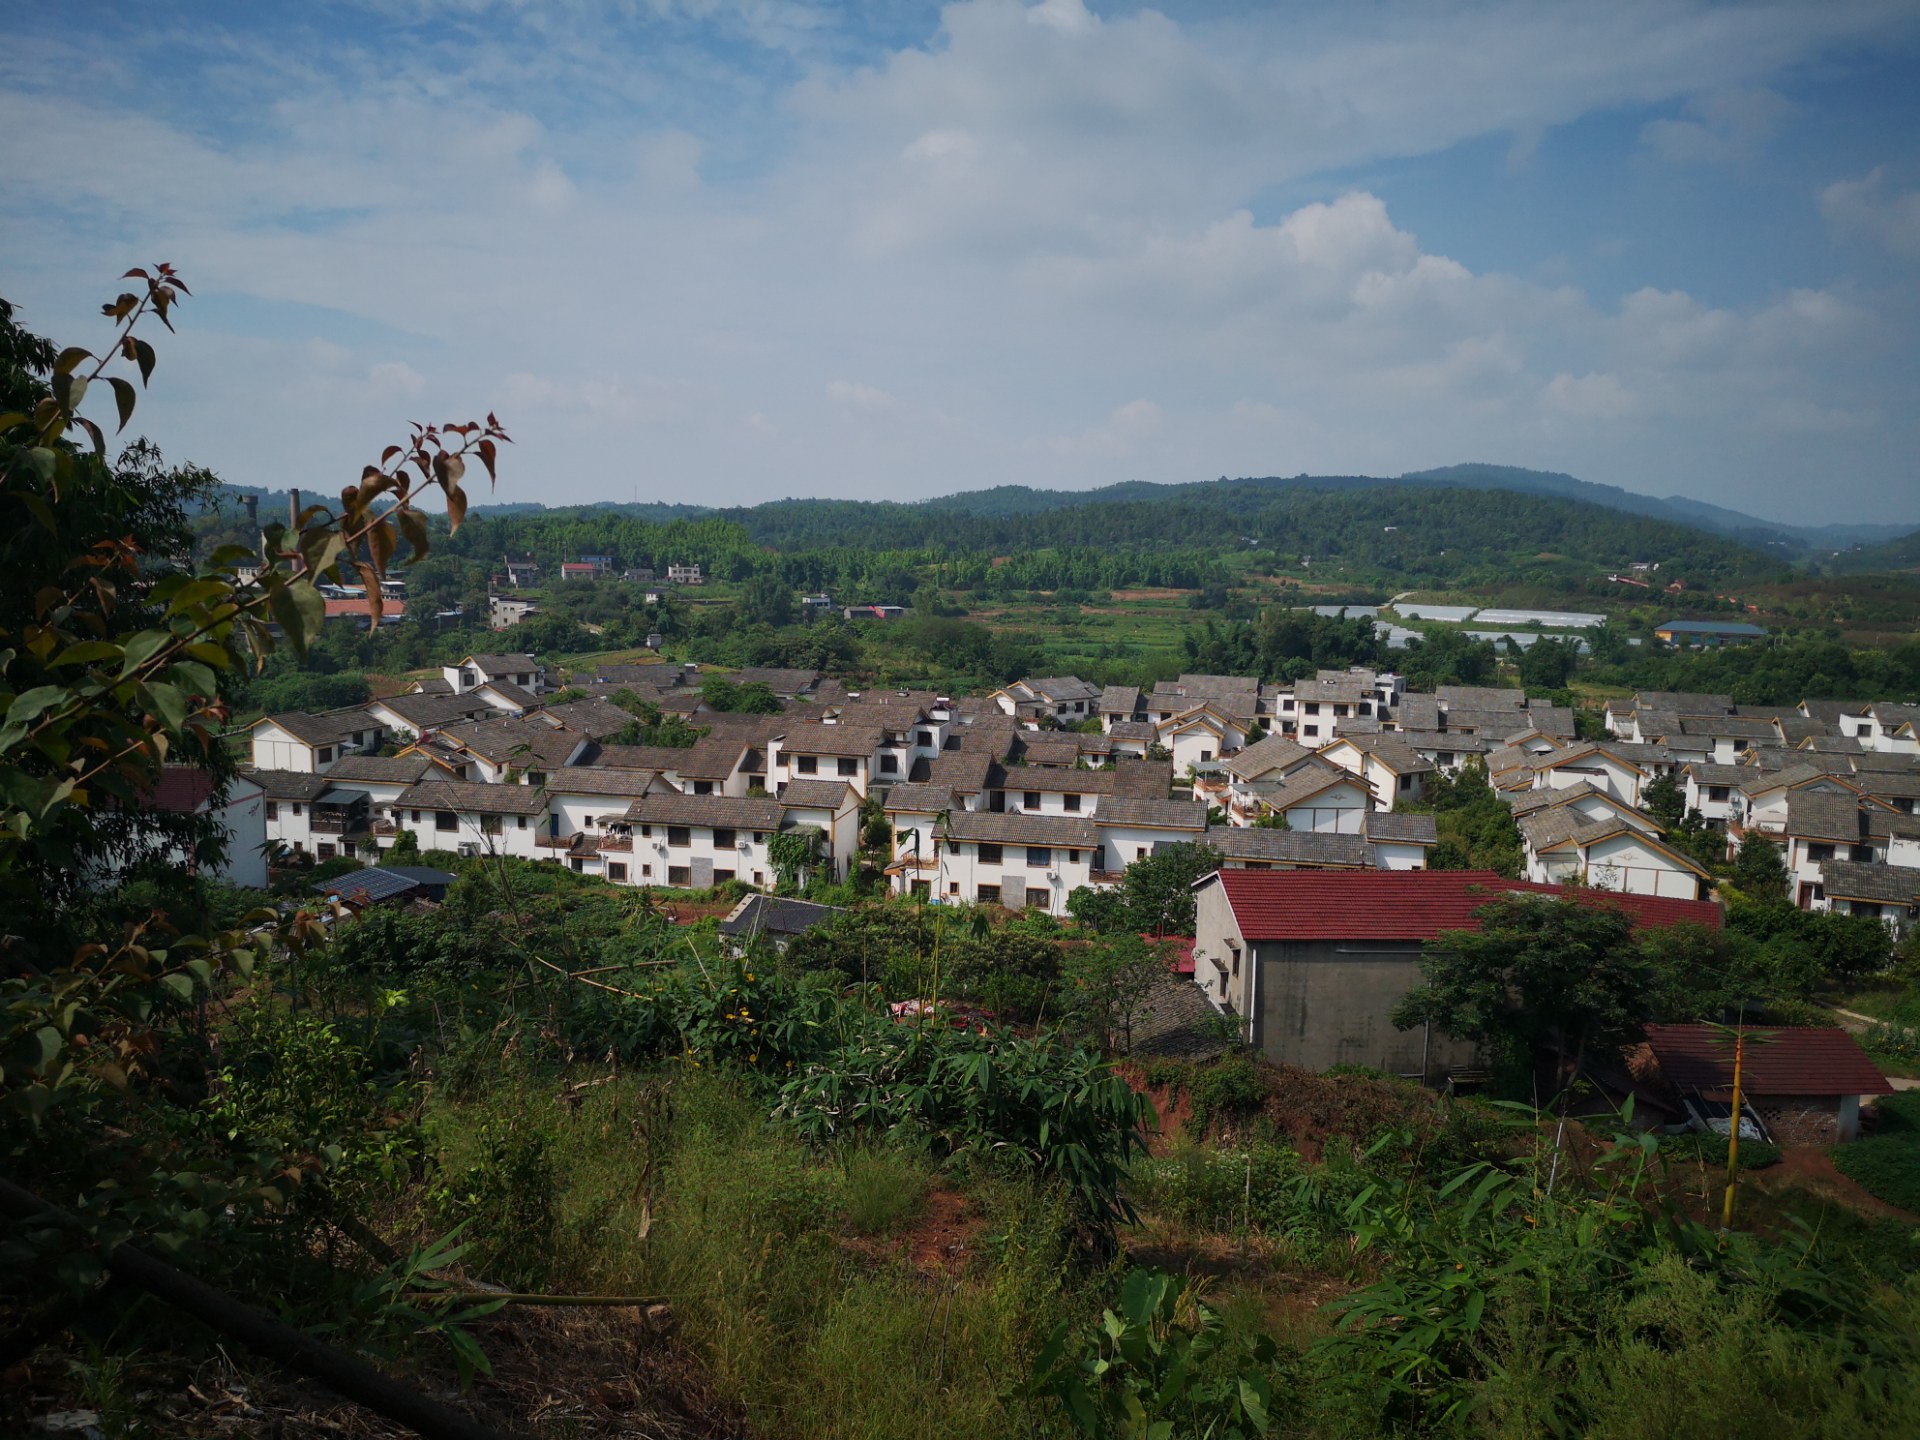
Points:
(1039, 857)
(617, 873)
(1339, 710)
(579, 866)
(989, 854)
(1817, 853)
(416, 816)
(1205, 756)
(273, 810)
(889, 765)
(297, 809)
(1313, 707)
(721, 877)
(1072, 803)
(324, 850)
(679, 835)
(989, 894)
(522, 822)
(1310, 730)
(1139, 852)
(759, 837)
(1406, 782)
(849, 767)
(953, 887)
(807, 765)
(679, 875)
(489, 824)
(703, 787)
(1038, 899)
(646, 832)
(646, 872)
(923, 738)
(1863, 854)
(724, 839)
(324, 755)
(1718, 793)
(1031, 799)
(536, 777)
(445, 820)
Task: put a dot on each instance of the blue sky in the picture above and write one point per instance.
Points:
(696, 250)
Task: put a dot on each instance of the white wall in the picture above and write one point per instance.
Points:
(1624, 863)
(277, 749)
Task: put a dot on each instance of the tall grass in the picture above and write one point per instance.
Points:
(746, 1231)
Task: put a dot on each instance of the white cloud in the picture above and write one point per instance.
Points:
(1871, 207)
(860, 397)
(1032, 215)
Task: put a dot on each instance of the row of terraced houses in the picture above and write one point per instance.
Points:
(1015, 798)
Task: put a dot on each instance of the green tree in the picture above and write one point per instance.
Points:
(1538, 974)
(1159, 888)
(1758, 869)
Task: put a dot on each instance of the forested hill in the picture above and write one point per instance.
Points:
(1022, 500)
(1900, 554)
(1420, 534)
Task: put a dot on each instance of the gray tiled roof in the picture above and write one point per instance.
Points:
(776, 915)
(815, 794)
(1881, 884)
(1289, 847)
(1152, 814)
(472, 799)
(846, 741)
(289, 784)
(381, 769)
(1813, 816)
(600, 780)
(919, 799)
(1402, 829)
(725, 812)
(993, 828)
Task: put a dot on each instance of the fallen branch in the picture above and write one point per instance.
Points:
(264, 1335)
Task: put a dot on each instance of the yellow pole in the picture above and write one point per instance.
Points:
(1733, 1132)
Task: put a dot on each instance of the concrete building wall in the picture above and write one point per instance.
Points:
(1622, 863)
(276, 749)
(1324, 1003)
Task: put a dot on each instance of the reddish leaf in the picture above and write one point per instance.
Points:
(136, 274)
(143, 356)
(70, 357)
(486, 450)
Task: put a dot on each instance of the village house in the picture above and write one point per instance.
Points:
(476, 670)
(1062, 699)
(294, 740)
(1803, 1085)
(506, 611)
(1314, 961)
(699, 841)
(238, 813)
(473, 819)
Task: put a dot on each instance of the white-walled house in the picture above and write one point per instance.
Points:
(1613, 855)
(474, 819)
(1594, 765)
(287, 798)
(698, 841)
(1392, 770)
(477, 670)
(1200, 736)
(295, 740)
(1064, 699)
(917, 815)
(832, 808)
(811, 751)
(1031, 862)
(239, 813)
(1322, 798)
(1131, 828)
(406, 717)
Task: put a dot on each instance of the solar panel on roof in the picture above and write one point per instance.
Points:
(367, 887)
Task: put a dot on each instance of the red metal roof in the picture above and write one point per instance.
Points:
(1408, 904)
(180, 789)
(1178, 949)
(336, 609)
(1791, 1061)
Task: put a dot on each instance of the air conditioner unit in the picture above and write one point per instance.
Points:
(470, 848)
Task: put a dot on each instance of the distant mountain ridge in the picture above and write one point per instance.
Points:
(1010, 501)
(1716, 519)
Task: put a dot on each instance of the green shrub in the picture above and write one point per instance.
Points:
(1709, 1149)
(506, 1200)
(1230, 1087)
(885, 1188)
(1886, 1166)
